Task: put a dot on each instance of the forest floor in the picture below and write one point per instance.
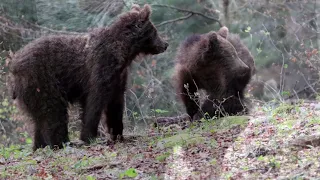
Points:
(272, 143)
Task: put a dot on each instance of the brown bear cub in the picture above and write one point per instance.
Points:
(53, 71)
(218, 63)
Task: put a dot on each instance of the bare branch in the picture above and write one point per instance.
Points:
(125, 4)
(13, 28)
(175, 20)
(52, 30)
(188, 11)
(36, 26)
(306, 22)
(304, 89)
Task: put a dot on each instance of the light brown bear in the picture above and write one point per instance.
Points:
(221, 65)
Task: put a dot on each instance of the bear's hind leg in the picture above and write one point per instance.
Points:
(48, 109)
(51, 128)
(39, 141)
(91, 114)
(57, 128)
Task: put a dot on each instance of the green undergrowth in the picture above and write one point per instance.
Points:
(119, 161)
(264, 150)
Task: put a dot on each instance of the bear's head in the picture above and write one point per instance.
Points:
(242, 50)
(135, 26)
(224, 53)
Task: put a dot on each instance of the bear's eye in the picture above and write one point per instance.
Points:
(133, 27)
(138, 26)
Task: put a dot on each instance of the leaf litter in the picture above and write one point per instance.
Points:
(269, 144)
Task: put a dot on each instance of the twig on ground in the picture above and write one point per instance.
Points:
(165, 121)
(97, 167)
(305, 141)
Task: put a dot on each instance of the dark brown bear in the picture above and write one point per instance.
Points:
(219, 64)
(53, 71)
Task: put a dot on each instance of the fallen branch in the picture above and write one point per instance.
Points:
(98, 167)
(306, 141)
(165, 121)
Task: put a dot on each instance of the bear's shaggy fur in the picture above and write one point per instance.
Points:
(219, 64)
(52, 71)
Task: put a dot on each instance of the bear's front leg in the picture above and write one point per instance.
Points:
(114, 110)
(106, 92)
(114, 115)
(91, 117)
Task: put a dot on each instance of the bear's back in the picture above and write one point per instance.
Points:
(48, 51)
(189, 50)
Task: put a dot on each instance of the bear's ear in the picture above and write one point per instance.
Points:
(213, 39)
(135, 7)
(145, 12)
(224, 31)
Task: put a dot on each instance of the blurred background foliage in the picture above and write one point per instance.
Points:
(282, 35)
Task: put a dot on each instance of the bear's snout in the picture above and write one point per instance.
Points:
(164, 45)
(242, 69)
